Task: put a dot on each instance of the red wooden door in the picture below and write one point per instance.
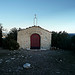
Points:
(35, 41)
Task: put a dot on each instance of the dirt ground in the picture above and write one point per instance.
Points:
(45, 62)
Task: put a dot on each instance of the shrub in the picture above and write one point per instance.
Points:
(0, 35)
(73, 46)
(5, 43)
(61, 40)
(13, 44)
(10, 44)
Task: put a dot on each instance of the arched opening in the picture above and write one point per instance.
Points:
(35, 41)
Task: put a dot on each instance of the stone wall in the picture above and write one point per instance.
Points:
(23, 37)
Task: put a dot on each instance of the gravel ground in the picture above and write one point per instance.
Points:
(43, 62)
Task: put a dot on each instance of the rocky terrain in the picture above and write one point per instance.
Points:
(41, 62)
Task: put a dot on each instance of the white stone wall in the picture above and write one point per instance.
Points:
(23, 37)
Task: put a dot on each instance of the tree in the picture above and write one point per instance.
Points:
(61, 40)
(73, 39)
(65, 40)
(73, 42)
(13, 34)
(10, 42)
(54, 39)
(0, 35)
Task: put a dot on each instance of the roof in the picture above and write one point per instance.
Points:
(36, 26)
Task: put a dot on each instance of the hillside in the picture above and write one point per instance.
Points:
(71, 34)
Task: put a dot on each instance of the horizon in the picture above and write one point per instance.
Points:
(7, 31)
(52, 15)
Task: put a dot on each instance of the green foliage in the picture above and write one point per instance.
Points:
(13, 45)
(13, 34)
(0, 35)
(73, 39)
(5, 43)
(54, 39)
(73, 46)
(61, 40)
(10, 42)
(73, 42)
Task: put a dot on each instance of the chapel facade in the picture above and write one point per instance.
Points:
(34, 37)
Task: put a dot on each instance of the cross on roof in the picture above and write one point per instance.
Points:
(35, 20)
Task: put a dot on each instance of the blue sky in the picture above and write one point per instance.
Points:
(53, 15)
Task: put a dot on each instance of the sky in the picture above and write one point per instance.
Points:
(53, 15)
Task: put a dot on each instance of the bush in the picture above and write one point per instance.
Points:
(0, 35)
(13, 45)
(61, 40)
(10, 44)
(5, 43)
(73, 46)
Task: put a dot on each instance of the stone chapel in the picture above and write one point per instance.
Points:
(34, 37)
